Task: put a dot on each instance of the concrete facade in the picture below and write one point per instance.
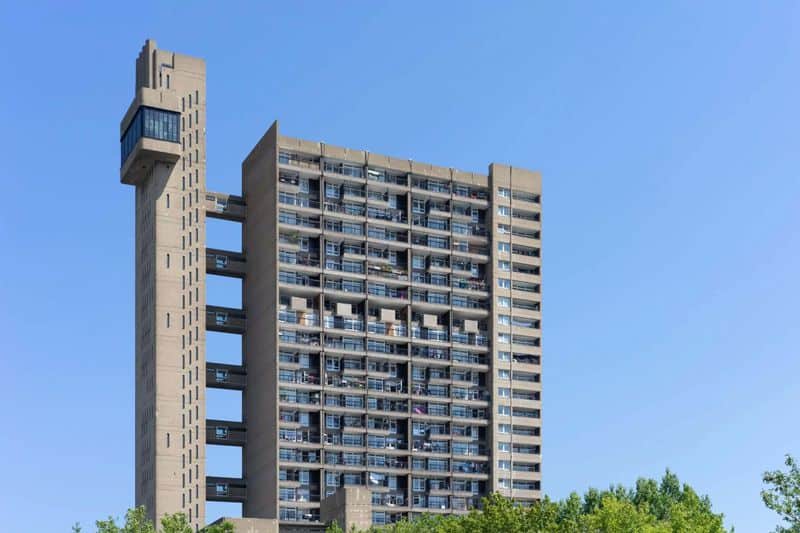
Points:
(390, 325)
(169, 176)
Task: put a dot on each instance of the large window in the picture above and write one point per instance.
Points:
(152, 123)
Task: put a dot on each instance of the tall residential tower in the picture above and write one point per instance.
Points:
(390, 327)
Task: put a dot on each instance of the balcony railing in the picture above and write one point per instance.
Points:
(351, 345)
(298, 259)
(430, 297)
(470, 248)
(381, 176)
(474, 194)
(465, 357)
(346, 209)
(391, 329)
(391, 236)
(469, 284)
(300, 318)
(429, 334)
(298, 201)
(344, 169)
(388, 292)
(292, 278)
(347, 324)
(439, 354)
(356, 287)
(474, 339)
(388, 272)
(469, 303)
(303, 222)
(288, 158)
(386, 347)
(296, 337)
(345, 266)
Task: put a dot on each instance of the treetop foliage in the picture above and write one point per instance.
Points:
(652, 506)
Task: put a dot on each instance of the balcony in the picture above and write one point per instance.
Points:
(300, 318)
(344, 344)
(471, 249)
(298, 377)
(470, 193)
(303, 283)
(222, 376)
(470, 284)
(432, 186)
(303, 259)
(388, 236)
(225, 319)
(225, 433)
(225, 489)
(387, 271)
(355, 324)
(225, 206)
(387, 292)
(469, 303)
(436, 354)
(353, 210)
(343, 169)
(440, 335)
(224, 263)
(298, 436)
(473, 339)
(392, 329)
(382, 176)
(297, 337)
(348, 286)
(297, 221)
(286, 198)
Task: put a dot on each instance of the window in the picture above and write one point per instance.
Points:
(332, 248)
(504, 211)
(503, 301)
(504, 410)
(503, 374)
(504, 428)
(152, 123)
(504, 392)
(503, 192)
(332, 190)
(503, 228)
(504, 320)
(504, 266)
(503, 446)
(503, 356)
(504, 247)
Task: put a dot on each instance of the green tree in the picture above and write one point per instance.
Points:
(783, 495)
(652, 506)
(136, 521)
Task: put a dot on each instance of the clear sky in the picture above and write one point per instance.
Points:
(667, 135)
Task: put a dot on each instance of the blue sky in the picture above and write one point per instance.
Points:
(667, 135)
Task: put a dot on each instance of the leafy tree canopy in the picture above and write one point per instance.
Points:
(652, 506)
(783, 495)
(136, 521)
